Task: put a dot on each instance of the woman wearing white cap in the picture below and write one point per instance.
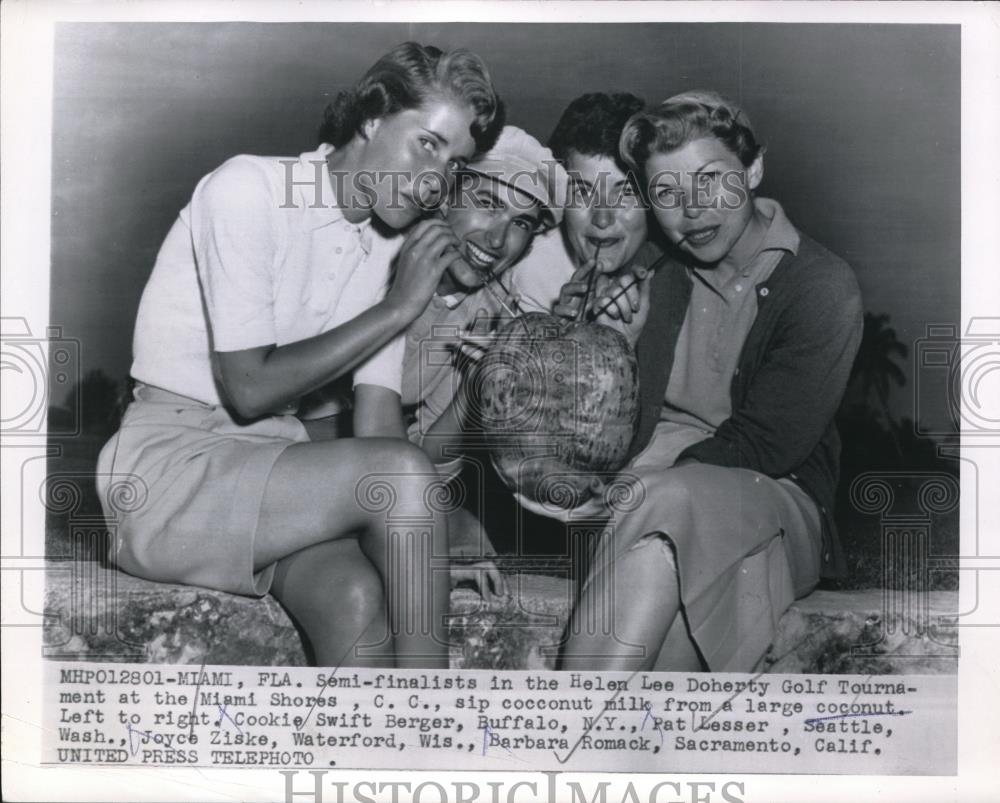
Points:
(500, 202)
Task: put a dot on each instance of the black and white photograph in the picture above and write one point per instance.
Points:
(594, 389)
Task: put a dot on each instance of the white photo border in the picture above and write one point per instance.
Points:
(26, 118)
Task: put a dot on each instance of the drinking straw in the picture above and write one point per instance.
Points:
(591, 281)
(607, 304)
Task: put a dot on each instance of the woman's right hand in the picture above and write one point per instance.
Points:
(430, 248)
(619, 300)
(572, 293)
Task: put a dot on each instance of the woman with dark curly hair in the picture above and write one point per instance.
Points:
(273, 283)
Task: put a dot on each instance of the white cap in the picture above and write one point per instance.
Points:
(522, 162)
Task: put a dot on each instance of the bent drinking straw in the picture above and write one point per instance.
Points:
(607, 304)
(494, 278)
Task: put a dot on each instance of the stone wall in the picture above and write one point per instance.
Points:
(98, 614)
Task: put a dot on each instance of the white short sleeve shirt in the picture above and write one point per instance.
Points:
(261, 255)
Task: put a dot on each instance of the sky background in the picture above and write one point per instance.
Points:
(862, 124)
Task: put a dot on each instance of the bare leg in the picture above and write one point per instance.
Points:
(335, 595)
(313, 496)
(639, 597)
(467, 536)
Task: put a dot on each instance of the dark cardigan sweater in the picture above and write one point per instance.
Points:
(790, 378)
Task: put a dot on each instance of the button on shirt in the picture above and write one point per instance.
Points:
(261, 255)
(719, 316)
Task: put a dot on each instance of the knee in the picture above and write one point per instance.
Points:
(400, 457)
(657, 547)
(392, 463)
(414, 460)
(363, 595)
(647, 551)
(673, 487)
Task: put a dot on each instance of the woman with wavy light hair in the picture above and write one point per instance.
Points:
(272, 284)
(745, 335)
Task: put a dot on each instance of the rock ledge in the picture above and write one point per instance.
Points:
(99, 614)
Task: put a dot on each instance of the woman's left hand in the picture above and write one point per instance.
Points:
(622, 302)
(491, 584)
(593, 508)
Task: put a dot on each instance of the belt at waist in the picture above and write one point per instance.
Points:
(144, 392)
(153, 393)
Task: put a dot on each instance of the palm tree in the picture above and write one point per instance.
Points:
(96, 395)
(875, 370)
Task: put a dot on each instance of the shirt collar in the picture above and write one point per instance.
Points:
(781, 234)
(315, 192)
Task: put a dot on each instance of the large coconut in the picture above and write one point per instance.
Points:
(560, 401)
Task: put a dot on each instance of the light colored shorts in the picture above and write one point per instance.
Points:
(181, 484)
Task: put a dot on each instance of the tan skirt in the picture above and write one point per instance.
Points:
(182, 483)
(744, 547)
